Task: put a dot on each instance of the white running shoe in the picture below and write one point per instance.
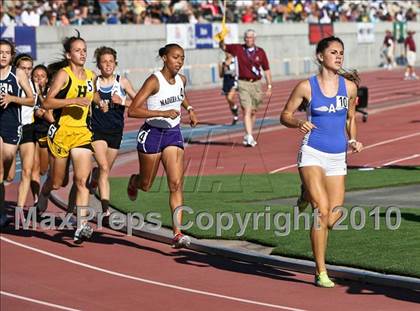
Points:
(180, 241)
(83, 233)
(249, 141)
(245, 140)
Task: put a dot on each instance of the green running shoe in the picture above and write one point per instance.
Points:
(322, 280)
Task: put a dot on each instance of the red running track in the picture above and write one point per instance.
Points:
(117, 272)
(391, 136)
(385, 88)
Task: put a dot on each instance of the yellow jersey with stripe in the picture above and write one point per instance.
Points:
(75, 115)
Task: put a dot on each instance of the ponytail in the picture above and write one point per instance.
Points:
(351, 75)
(56, 66)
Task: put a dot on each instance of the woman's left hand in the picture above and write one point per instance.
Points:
(356, 146)
(193, 118)
(117, 99)
(5, 100)
(104, 106)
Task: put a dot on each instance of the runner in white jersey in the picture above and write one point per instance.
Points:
(27, 142)
(43, 119)
(331, 96)
(160, 138)
(169, 96)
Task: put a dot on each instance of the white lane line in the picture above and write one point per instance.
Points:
(391, 140)
(218, 137)
(167, 285)
(271, 128)
(52, 305)
(274, 112)
(282, 168)
(378, 110)
(402, 159)
(364, 148)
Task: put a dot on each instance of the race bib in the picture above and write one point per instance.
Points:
(342, 102)
(142, 136)
(51, 131)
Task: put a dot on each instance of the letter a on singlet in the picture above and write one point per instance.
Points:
(332, 108)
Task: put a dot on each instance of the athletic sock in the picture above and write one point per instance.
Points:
(234, 110)
(105, 205)
(2, 197)
(81, 214)
(35, 189)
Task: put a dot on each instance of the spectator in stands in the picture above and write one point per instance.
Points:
(5, 18)
(248, 16)
(16, 13)
(108, 7)
(176, 11)
(30, 16)
(49, 19)
(139, 7)
(263, 14)
(212, 10)
(83, 6)
(64, 20)
(298, 11)
(156, 13)
(314, 14)
(75, 17)
(278, 12)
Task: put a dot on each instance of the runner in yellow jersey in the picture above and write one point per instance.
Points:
(70, 128)
(70, 96)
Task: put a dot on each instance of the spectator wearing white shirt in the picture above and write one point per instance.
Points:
(5, 18)
(30, 17)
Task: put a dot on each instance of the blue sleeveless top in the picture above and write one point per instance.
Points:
(111, 121)
(11, 116)
(329, 115)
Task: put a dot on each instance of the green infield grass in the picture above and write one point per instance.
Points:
(230, 207)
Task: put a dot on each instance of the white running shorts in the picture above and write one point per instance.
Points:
(334, 164)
